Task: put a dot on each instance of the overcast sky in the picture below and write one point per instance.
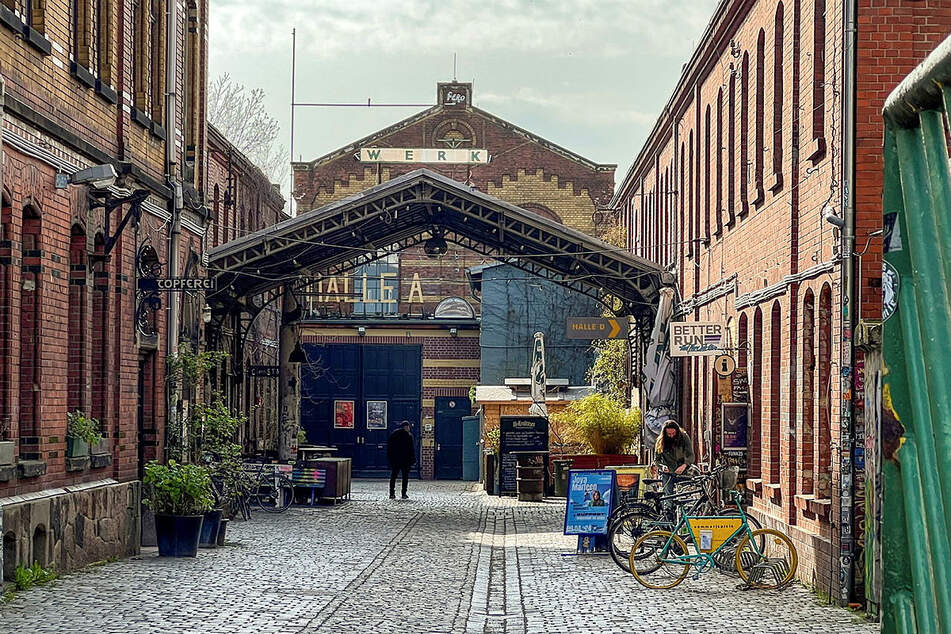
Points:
(590, 75)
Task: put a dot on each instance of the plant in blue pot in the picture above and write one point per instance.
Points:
(179, 495)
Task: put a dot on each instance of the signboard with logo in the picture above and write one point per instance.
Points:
(423, 155)
(454, 94)
(177, 284)
(518, 433)
(595, 328)
(589, 501)
(696, 339)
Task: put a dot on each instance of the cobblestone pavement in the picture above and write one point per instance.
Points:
(450, 559)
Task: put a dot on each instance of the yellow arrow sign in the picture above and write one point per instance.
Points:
(615, 328)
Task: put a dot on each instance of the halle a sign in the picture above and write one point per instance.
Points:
(696, 339)
(423, 155)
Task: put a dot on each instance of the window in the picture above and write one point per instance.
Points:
(691, 235)
(376, 286)
(719, 141)
(731, 133)
(744, 134)
(31, 299)
(818, 147)
(681, 228)
(706, 175)
(778, 83)
(218, 219)
(194, 82)
(775, 392)
(806, 432)
(760, 148)
(100, 329)
(6, 315)
(141, 58)
(823, 432)
(755, 442)
(157, 58)
(78, 321)
(742, 344)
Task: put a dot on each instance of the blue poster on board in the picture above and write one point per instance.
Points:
(590, 498)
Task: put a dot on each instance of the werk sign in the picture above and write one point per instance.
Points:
(176, 284)
(423, 155)
(696, 339)
(595, 328)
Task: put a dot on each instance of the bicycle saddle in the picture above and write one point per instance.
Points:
(651, 481)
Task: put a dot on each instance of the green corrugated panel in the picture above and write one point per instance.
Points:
(916, 417)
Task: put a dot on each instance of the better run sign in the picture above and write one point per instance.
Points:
(696, 339)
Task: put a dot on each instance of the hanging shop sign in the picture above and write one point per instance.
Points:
(696, 339)
(423, 155)
(589, 502)
(594, 328)
(177, 284)
(724, 365)
(518, 433)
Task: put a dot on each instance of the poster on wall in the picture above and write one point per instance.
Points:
(343, 414)
(590, 496)
(376, 414)
(735, 417)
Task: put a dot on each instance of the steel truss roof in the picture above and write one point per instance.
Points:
(405, 212)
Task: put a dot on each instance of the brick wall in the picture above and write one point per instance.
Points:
(764, 90)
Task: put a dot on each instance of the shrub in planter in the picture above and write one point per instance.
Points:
(81, 431)
(600, 424)
(179, 495)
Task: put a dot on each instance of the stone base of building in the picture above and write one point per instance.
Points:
(69, 528)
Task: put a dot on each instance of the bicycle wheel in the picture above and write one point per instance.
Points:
(624, 531)
(275, 492)
(661, 569)
(770, 567)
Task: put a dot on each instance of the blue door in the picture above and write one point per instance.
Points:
(353, 396)
(449, 413)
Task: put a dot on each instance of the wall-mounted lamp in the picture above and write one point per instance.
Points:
(362, 331)
(453, 332)
(297, 355)
(206, 314)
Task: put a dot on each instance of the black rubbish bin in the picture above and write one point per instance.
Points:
(489, 473)
(560, 469)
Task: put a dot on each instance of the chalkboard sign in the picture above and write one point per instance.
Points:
(518, 433)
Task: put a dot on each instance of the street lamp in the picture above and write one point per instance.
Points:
(297, 355)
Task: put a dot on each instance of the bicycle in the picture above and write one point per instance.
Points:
(764, 558)
(697, 495)
(270, 489)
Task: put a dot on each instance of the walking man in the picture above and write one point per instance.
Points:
(401, 452)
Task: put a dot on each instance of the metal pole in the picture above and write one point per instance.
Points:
(293, 105)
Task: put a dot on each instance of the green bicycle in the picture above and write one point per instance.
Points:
(764, 558)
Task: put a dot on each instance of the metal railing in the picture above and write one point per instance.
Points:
(915, 433)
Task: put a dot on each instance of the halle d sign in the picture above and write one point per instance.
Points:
(595, 328)
(696, 339)
(423, 155)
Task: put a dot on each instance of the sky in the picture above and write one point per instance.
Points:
(589, 75)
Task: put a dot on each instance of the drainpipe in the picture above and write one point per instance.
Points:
(850, 303)
(176, 202)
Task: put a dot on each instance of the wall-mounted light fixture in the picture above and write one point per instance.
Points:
(453, 332)
(297, 355)
(362, 331)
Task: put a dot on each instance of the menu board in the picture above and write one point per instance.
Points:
(518, 433)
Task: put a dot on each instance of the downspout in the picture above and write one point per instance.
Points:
(850, 304)
(176, 201)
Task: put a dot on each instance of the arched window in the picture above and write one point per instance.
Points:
(742, 343)
(719, 141)
(775, 391)
(31, 319)
(218, 219)
(682, 227)
(691, 235)
(778, 83)
(744, 134)
(706, 175)
(757, 194)
(808, 391)
(100, 330)
(7, 399)
(823, 433)
(731, 144)
(78, 323)
(755, 443)
(818, 147)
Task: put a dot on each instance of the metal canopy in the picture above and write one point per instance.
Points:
(407, 211)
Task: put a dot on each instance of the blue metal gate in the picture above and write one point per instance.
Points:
(354, 396)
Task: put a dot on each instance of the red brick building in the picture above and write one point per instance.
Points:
(734, 189)
(394, 302)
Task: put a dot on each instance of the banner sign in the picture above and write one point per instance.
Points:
(423, 155)
(696, 339)
(595, 328)
(590, 497)
(264, 370)
(518, 433)
(175, 284)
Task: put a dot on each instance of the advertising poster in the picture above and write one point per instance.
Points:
(343, 414)
(376, 414)
(589, 501)
(735, 417)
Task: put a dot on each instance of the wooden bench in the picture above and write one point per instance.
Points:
(309, 478)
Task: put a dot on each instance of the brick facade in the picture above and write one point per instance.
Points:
(731, 188)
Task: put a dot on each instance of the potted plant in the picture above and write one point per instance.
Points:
(215, 428)
(178, 494)
(600, 424)
(81, 431)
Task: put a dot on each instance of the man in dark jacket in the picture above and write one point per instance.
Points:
(401, 452)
